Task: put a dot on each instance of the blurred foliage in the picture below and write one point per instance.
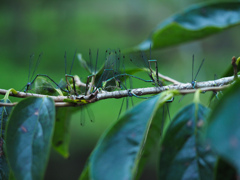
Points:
(52, 27)
(195, 22)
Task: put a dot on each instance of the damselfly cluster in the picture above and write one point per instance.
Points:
(112, 75)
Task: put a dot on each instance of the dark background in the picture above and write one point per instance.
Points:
(53, 27)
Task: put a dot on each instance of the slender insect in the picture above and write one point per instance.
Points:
(31, 80)
(124, 84)
(112, 73)
(69, 87)
(110, 69)
(72, 91)
(193, 83)
(114, 64)
(153, 75)
(93, 70)
(194, 80)
(145, 64)
(113, 77)
(154, 79)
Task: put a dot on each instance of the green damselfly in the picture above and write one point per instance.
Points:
(68, 85)
(145, 64)
(89, 67)
(45, 88)
(194, 80)
(90, 85)
(112, 74)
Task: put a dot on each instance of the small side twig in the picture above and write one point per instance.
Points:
(78, 82)
(168, 79)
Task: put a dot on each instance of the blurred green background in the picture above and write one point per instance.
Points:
(53, 27)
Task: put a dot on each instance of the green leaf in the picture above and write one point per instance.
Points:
(61, 136)
(28, 137)
(42, 86)
(224, 126)
(4, 114)
(11, 176)
(228, 72)
(133, 71)
(194, 23)
(182, 154)
(153, 138)
(119, 151)
(85, 173)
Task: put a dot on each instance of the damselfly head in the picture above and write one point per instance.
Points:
(193, 84)
(28, 87)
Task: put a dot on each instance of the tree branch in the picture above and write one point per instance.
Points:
(183, 88)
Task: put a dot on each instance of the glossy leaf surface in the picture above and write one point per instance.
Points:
(182, 154)
(61, 135)
(4, 115)
(224, 126)
(43, 86)
(28, 137)
(196, 22)
(120, 149)
(153, 138)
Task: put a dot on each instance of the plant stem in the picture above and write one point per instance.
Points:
(183, 88)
